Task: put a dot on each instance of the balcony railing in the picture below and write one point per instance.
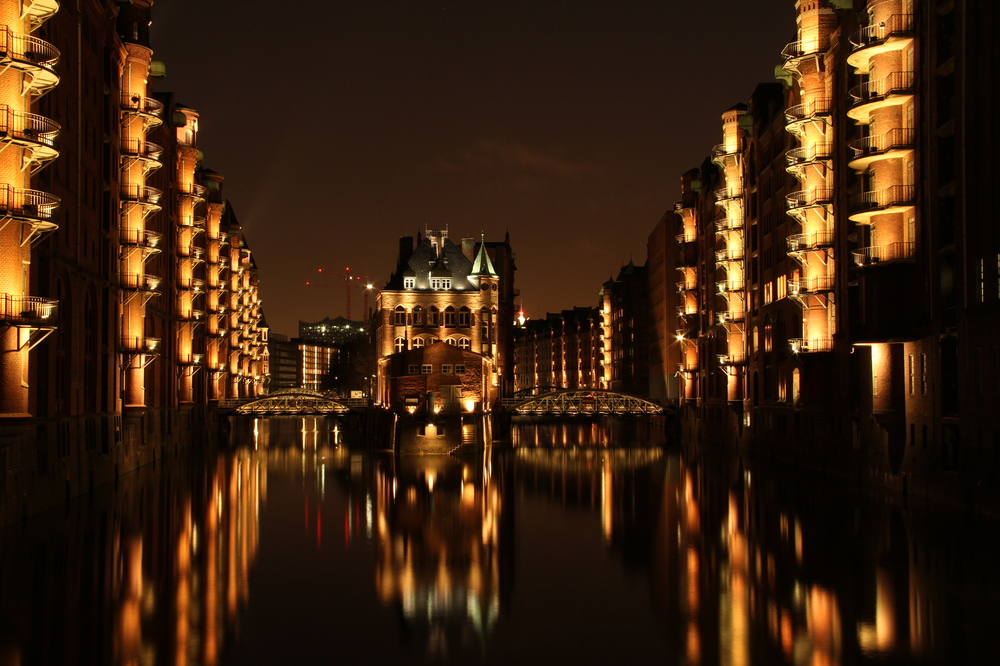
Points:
(804, 48)
(894, 139)
(896, 83)
(193, 284)
(190, 359)
(720, 150)
(38, 11)
(811, 285)
(684, 285)
(142, 149)
(143, 106)
(139, 281)
(685, 311)
(139, 238)
(191, 314)
(143, 194)
(807, 111)
(28, 310)
(811, 241)
(729, 254)
(687, 366)
(25, 50)
(28, 128)
(730, 316)
(810, 345)
(725, 194)
(686, 238)
(731, 359)
(873, 35)
(820, 152)
(27, 204)
(880, 254)
(817, 196)
(140, 345)
(897, 195)
(193, 190)
(726, 224)
(727, 286)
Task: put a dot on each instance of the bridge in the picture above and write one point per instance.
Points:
(296, 402)
(567, 402)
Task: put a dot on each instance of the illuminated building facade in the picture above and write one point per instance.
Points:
(828, 312)
(459, 296)
(122, 255)
(564, 350)
(625, 306)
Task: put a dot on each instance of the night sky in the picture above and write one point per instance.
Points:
(341, 126)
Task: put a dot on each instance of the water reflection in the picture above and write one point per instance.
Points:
(560, 547)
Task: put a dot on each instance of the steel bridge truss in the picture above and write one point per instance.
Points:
(585, 401)
(292, 401)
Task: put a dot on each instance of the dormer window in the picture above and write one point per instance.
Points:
(409, 282)
(438, 284)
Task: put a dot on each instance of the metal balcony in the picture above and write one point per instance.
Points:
(731, 359)
(810, 345)
(729, 286)
(686, 238)
(882, 254)
(724, 195)
(728, 255)
(33, 57)
(811, 285)
(796, 51)
(815, 240)
(194, 191)
(36, 133)
(686, 311)
(894, 88)
(28, 311)
(893, 144)
(27, 205)
(799, 158)
(687, 367)
(730, 316)
(38, 11)
(867, 204)
(796, 116)
(140, 149)
(726, 224)
(140, 345)
(190, 359)
(817, 196)
(147, 108)
(881, 36)
(140, 282)
(148, 197)
(684, 285)
(191, 284)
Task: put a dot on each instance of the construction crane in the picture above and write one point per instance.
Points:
(350, 281)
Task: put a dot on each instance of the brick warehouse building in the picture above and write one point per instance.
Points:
(826, 314)
(130, 299)
(459, 296)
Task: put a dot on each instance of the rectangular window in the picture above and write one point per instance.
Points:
(782, 286)
(923, 374)
(426, 369)
(982, 281)
(911, 378)
(409, 282)
(460, 369)
(446, 369)
(414, 369)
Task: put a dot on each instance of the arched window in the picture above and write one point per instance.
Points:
(399, 316)
(464, 316)
(449, 316)
(418, 316)
(450, 341)
(465, 343)
(433, 316)
(418, 343)
(400, 344)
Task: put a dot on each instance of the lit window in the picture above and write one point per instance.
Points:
(426, 369)
(400, 344)
(409, 282)
(440, 283)
(446, 369)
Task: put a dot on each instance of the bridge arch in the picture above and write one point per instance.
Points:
(584, 401)
(292, 401)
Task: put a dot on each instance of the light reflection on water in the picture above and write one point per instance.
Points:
(586, 542)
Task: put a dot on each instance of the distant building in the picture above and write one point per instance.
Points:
(441, 293)
(563, 350)
(338, 332)
(625, 304)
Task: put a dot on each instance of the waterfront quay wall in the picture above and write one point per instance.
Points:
(47, 462)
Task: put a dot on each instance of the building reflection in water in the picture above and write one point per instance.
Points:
(738, 566)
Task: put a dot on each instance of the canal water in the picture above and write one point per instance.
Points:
(584, 543)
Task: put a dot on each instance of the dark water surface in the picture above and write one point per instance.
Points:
(587, 543)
